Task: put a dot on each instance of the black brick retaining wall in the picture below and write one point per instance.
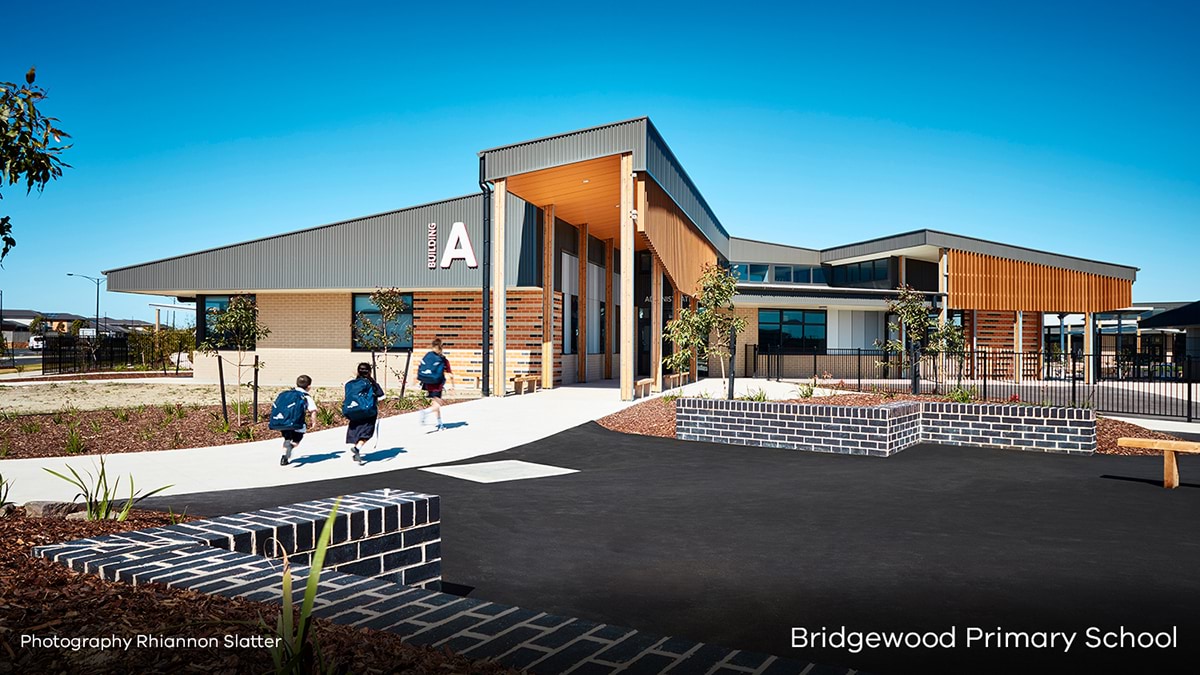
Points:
(886, 429)
(391, 537)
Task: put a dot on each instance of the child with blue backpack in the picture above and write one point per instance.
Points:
(287, 415)
(360, 408)
(431, 373)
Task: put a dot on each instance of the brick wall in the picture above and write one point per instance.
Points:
(1069, 430)
(311, 334)
(387, 531)
(879, 431)
(887, 429)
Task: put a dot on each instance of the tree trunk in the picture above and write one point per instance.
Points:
(404, 376)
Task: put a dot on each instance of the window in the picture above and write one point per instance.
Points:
(747, 272)
(818, 275)
(791, 330)
(399, 330)
(595, 317)
(213, 305)
(855, 273)
(783, 274)
(570, 289)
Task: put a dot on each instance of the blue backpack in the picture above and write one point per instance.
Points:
(432, 369)
(287, 413)
(359, 403)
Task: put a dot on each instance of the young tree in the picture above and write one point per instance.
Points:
(27, 145)
(708, 327)
(237, 327)
(378, 337)
(915, 326)
(76, 326)
(37, 325)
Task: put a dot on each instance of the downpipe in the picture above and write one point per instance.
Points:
(486, 188)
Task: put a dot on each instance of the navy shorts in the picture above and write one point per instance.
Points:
(360, 430)
(293, 435)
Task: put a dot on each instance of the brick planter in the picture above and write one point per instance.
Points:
(884, 430)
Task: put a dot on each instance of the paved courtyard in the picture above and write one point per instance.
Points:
(736, 546)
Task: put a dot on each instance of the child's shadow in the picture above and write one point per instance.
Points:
(313, 459)
(381, 455)
(453, 425)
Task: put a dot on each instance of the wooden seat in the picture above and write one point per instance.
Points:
(672, 380)
(1169, 448)
(641, 388)
(525, 383)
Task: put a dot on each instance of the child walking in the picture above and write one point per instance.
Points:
(432, 373)
(361, 410)
(287, 415)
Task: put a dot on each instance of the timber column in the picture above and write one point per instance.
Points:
(499, 292)
(548, 297)
(628, 355)
(656, 320)
(581, 353)
(610, 307)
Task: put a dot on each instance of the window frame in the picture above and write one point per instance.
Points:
(804, 323)
(354, 346)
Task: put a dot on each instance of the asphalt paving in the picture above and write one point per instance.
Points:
(740, 546)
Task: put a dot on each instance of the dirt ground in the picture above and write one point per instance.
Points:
(48, 397)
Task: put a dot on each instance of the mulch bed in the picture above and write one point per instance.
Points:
(141, 428)
(47, 599)
(656, 417)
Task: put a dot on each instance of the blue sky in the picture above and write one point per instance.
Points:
(1070, 128)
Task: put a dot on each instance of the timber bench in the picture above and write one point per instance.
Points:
(641, 388)
(526, 382)
(1169, 448)
(672, 380)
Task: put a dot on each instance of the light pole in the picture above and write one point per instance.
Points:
(96, 339)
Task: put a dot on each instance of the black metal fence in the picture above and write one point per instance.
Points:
(1136, 384)
(69, 354)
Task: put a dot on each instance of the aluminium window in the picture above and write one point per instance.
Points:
(212, 306)
(791, 330)
(399, 330)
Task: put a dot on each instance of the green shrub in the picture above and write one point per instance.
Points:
(327, 416)
(5, 447)
(961, 395)
(4, 485)
(244, 433)
(121, 414)
(806, 390)
(100, 498)
(297, 651)
(670, 398)
(755, 395)
(31, 427)
(96, 427)
(74, 441)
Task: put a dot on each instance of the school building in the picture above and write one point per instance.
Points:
(574, 251)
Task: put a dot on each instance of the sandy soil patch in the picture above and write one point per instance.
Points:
(48, 397)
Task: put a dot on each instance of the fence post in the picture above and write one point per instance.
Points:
(1073, 378)
(221, 378)
(859, 369)
(1189, 374)
(256, 389)
(985, 373)
(916, 368)
(752, 354)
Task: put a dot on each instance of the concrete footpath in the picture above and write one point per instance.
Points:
(473, 428)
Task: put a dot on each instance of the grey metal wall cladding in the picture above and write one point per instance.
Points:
(576, 146)
(595, 251)
(666, 170)
(522, 243)
(983, 246)
(389, 249)
(750, 251)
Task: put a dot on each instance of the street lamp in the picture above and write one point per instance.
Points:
(96, 281)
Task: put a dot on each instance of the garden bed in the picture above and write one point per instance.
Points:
(656, 417)
(41, 597)
(143, 427)
(87, 377)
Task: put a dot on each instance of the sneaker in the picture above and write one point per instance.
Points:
(356, 456)
(283, 461)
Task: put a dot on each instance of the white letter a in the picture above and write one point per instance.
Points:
(458, 247)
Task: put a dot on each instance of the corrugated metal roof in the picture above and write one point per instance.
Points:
(751, 251)
(1180, 317)
(638, 137)
(961, 243)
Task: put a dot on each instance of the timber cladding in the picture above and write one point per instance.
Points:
(984, 282)
(674, 239)
(457, 318)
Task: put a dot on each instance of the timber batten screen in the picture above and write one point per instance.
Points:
(984, 282)
(674, 239)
